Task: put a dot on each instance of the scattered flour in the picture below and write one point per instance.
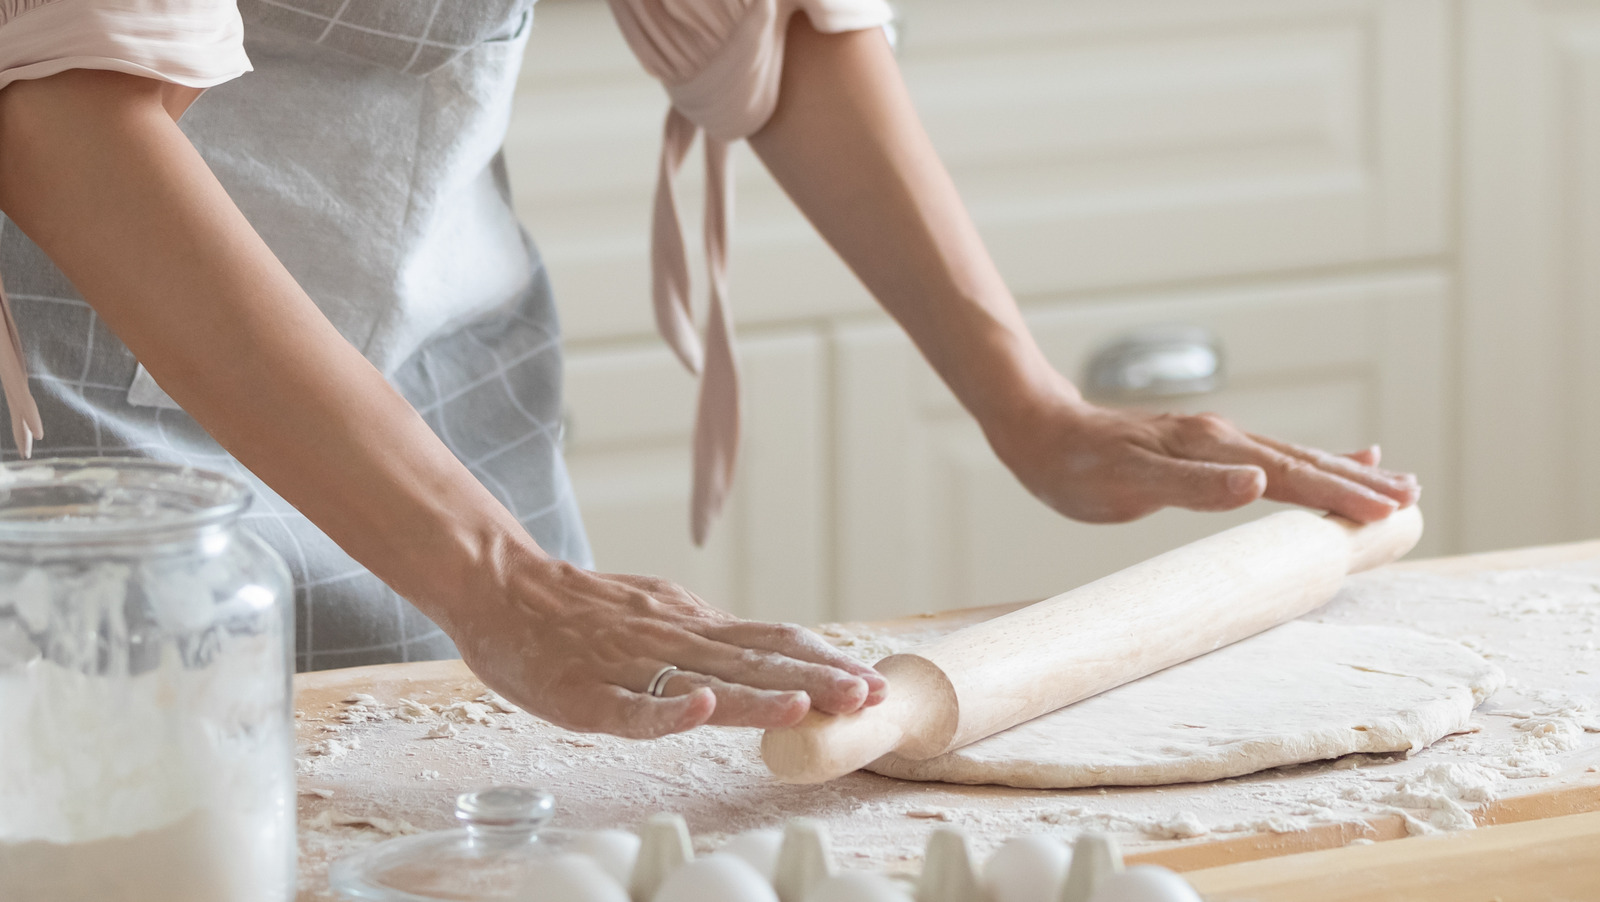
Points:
(330, 818)
(1185, 826)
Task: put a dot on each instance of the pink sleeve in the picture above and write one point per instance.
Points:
(194, 43)
(721, 62)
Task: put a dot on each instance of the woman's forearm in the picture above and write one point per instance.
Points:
(102, 179)
(846, 144)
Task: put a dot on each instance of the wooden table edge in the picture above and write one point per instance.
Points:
(1550, 858)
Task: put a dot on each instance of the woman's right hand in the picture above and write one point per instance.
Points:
(578, 649)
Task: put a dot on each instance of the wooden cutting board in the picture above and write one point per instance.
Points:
(1550, 860)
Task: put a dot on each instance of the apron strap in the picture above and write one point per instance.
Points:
(25, 423)
(716, 429)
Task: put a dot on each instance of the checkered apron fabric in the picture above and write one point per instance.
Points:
(365, 150)
(413, 36)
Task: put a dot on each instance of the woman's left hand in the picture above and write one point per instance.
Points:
(1109, 465)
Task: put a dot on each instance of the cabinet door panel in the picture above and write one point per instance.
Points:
(1530, 261)
(631, 411)
(1098, 143)
(929, 519)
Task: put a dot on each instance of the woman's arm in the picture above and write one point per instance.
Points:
(847, 146)
(95, 171)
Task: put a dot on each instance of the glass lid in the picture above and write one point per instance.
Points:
(501, 852)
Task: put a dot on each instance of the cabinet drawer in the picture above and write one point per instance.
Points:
(1116, 143)
(929, 519)
(1098, 143)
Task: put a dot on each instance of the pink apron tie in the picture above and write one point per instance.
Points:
(721, 62)
(716, 430)
(25, 423)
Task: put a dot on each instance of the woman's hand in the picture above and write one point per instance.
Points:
(1106, 465)
(578, 649)
(846, 144)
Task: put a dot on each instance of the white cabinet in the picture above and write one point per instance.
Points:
(929, 519)
(1530, 271)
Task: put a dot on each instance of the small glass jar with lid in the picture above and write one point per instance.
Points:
(502, 852)
(146, 723)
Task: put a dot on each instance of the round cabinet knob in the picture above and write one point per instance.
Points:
(1156, 362)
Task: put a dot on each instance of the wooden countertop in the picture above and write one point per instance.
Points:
(367, 776)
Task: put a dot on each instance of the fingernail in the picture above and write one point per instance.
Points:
(1242, 481)
(854, 687)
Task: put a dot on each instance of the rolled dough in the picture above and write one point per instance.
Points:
(1301, 692)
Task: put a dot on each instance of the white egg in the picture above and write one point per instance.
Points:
(1027, 869)
(569, 877)
(1144, 883)
(718, 878)
(858, 886)
(760, 848)
(614, 850)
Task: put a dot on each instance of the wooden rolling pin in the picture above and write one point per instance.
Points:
(992, 676)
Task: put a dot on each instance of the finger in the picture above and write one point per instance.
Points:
(788, 640)
(1346, 465)
(742, 706)
(1290, 478)
(634, 715)
(688, 642)
(1295, 481)
(1402, 487)
(801, 644)
(1195, 484)
(1367, 457)
(832, 690)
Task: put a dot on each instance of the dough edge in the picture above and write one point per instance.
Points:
(1404, 731)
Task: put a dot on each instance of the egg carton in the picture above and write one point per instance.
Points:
(797, 865)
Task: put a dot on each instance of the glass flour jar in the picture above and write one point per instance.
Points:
(146, 728)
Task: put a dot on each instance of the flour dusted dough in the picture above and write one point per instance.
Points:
(1301, 692)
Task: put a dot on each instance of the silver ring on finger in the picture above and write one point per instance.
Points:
(658, 683)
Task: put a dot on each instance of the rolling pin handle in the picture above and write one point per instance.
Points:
(1384, 541)
(917, 717)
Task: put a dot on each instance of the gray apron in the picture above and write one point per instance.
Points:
(365, 148)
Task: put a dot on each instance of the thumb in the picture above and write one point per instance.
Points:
(1204, 486)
